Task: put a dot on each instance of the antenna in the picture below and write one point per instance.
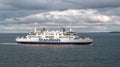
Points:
(35, 30)
(70, 26)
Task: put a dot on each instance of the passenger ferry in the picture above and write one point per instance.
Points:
(53, 37)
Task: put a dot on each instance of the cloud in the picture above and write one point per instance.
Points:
(88, 15)
(59, 4)
(80, 16)
(86, 19)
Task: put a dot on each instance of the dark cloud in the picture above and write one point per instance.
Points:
(95, 3)
(58, 4)
(18, 8)
(23, 12)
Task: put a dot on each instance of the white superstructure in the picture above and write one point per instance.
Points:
(53, 37)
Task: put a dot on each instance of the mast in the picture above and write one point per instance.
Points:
(35, 27)
(70, 27)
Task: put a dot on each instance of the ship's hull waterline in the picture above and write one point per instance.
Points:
(55, 43)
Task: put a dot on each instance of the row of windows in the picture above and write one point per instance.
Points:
(34, 36)
(51, 34)
(65, 37)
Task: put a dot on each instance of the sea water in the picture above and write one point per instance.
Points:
(104, 52)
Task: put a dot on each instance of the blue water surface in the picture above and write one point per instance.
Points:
(105, 52)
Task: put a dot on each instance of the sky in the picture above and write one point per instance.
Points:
(17, 16)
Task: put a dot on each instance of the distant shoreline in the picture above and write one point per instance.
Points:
(114, 32)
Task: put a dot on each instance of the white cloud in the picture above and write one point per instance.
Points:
(89, 19)
(101, 18)
(9, 20)
(73, 15)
